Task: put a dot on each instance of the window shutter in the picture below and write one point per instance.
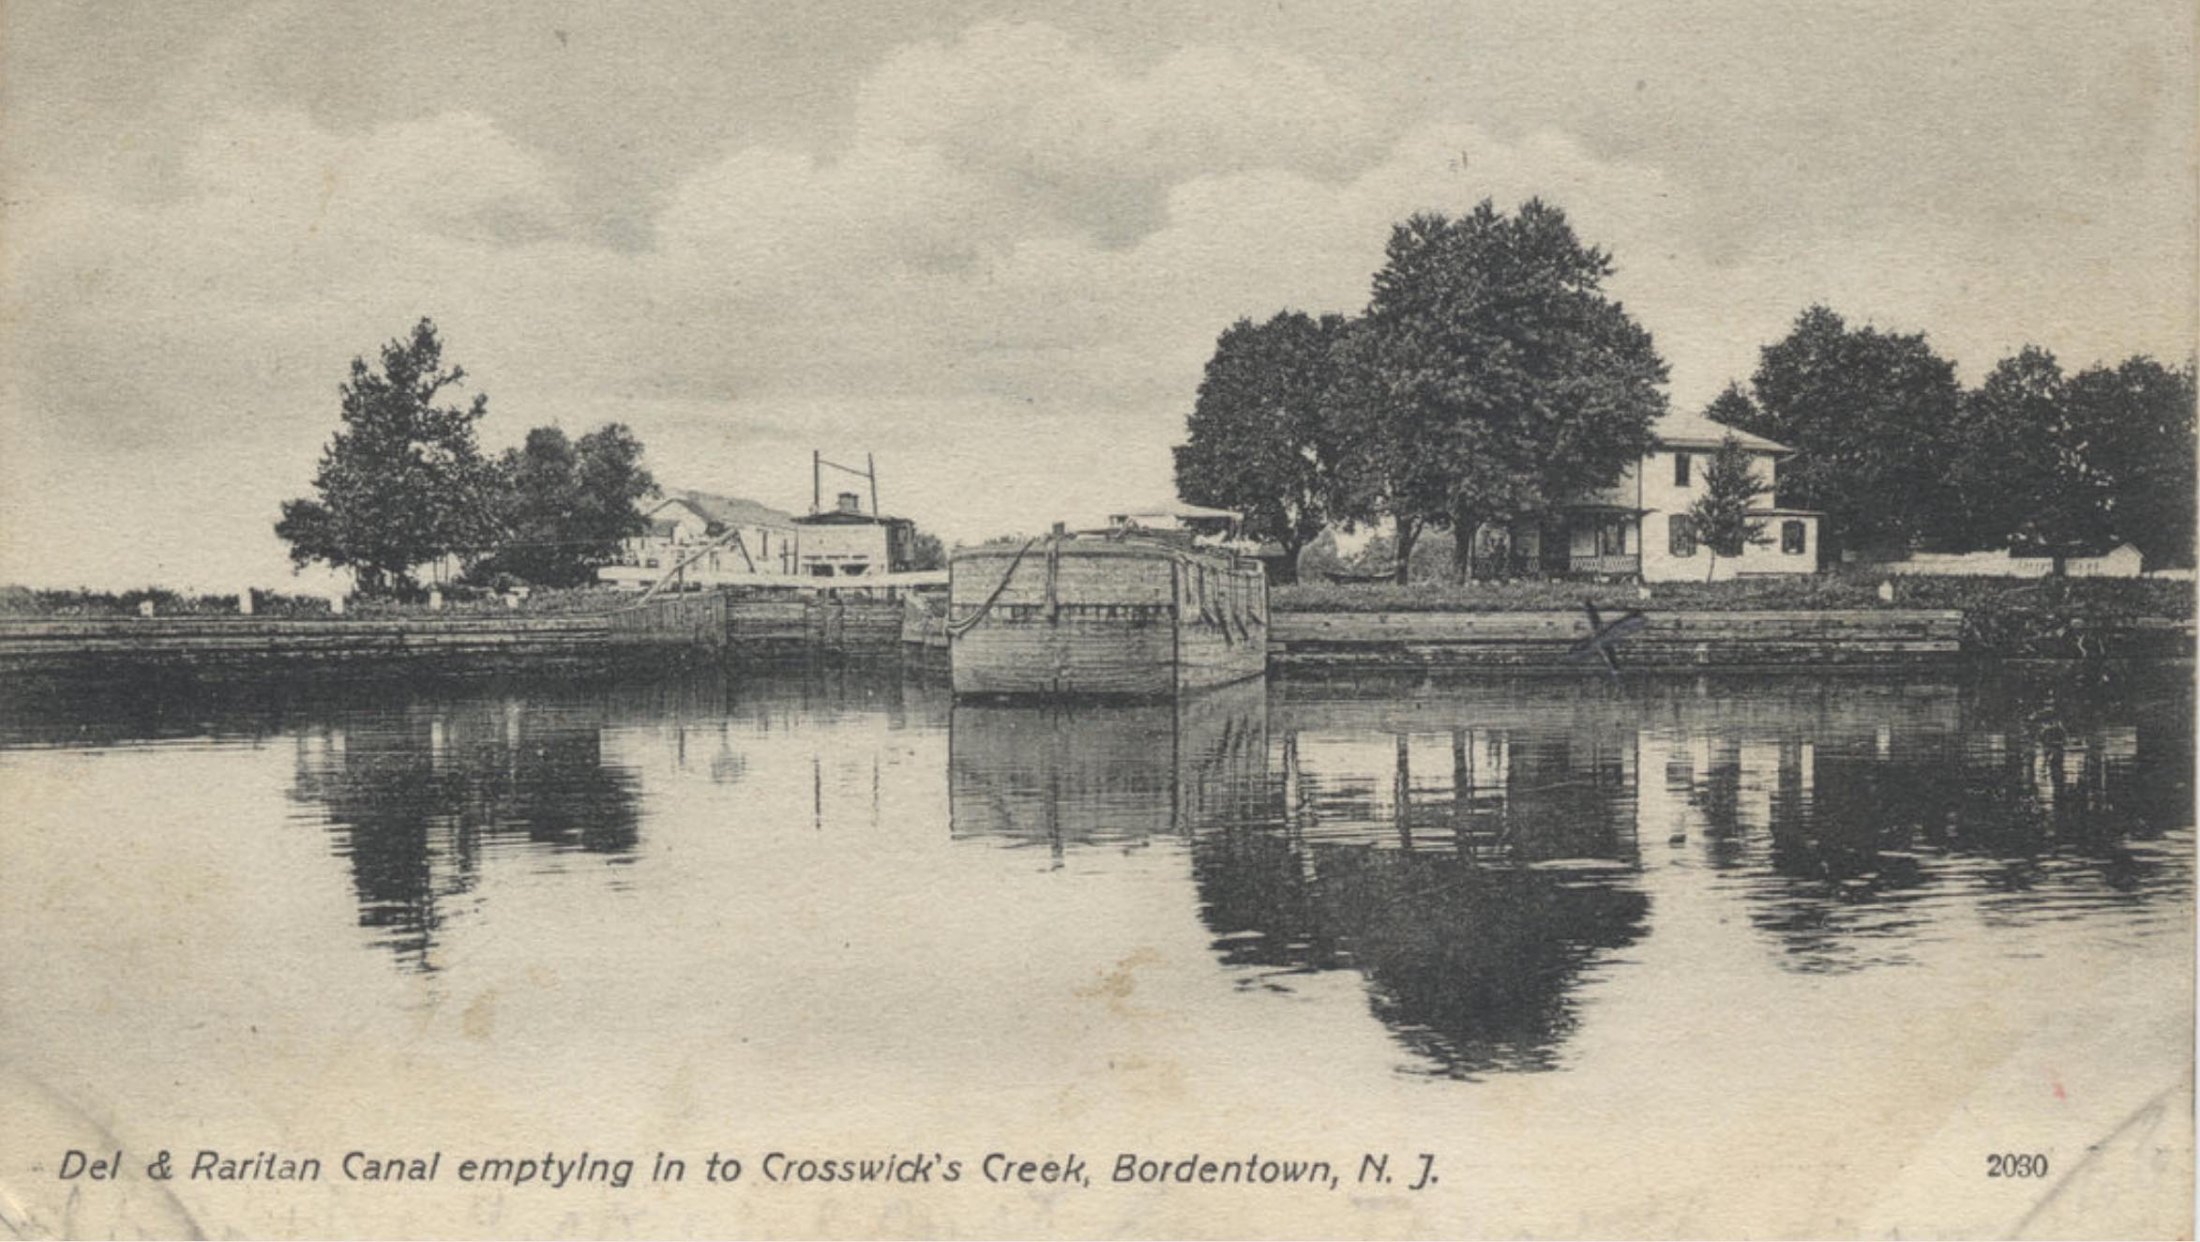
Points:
(1681, 530)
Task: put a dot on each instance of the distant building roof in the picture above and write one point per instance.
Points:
(1694, 431)
(723, 511)
(844, 517)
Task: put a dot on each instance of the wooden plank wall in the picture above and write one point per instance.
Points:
(672, 620)
(126, 644)
(1862, 637)
(766, 621)
(716, 620)
(704, 621)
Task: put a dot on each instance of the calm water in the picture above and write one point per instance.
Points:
(703, 909)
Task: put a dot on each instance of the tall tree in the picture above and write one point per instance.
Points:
(1732, 407)
(564, 506)
(403, 481)
(1500, 365)
(1259, 441)
(1387, 464)
(2131, 445)
(1720, 512)
(1868, 413)
(2010, 473)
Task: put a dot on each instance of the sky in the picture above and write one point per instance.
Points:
(990, 244)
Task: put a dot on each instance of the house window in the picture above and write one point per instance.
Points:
(1682, 530)
(1791, 537)
(1680, 469)
(821, 571)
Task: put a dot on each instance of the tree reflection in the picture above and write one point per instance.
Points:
(419, 796)
(1853, 821)
(1471, 896)
(1474, 849)
(1475, 892)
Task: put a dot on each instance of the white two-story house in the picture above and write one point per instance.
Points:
(1639, 527)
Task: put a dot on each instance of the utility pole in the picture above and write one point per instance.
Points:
(817, 483)
(870, 467)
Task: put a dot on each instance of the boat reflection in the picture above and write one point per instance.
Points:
(1089, 773)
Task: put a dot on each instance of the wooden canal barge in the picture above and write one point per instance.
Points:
(1117, 615)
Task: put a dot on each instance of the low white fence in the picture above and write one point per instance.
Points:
(2122, 562)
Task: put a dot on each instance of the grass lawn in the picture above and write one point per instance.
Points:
(25, 603)
(2100, 599)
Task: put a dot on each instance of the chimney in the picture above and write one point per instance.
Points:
(850, 503)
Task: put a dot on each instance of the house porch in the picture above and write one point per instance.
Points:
(1589, 541)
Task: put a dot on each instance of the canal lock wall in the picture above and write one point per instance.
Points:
(912, 631)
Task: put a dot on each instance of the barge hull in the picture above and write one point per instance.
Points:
(1118, 619)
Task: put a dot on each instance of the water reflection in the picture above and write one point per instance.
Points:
(1477, 850)
(1477, 861)
(419, 799)
(1855, 821)
(1469, 898)
(1097, 774)
(1853, 818)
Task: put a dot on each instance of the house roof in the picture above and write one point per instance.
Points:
(723, 511)
(843, 517)
(1694, 431)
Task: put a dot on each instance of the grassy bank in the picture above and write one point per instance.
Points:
(2052, 617)
(25, 603)
(2103, 597)
(21, 603)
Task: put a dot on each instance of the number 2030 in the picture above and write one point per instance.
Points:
(2011, 1164)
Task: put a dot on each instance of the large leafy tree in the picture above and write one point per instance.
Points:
(403, 481)
(2010, 474)
(565, 505)
(1388, 463)
(1496, 363)
(1732, 407)
(2131, 448)
(1260, 442)
(1869, 414)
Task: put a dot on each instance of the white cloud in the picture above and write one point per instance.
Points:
(1076, 137)
(1005, 281)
